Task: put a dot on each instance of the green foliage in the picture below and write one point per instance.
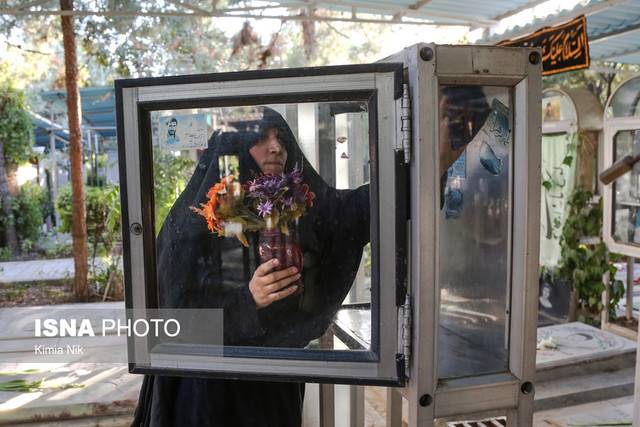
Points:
(5, 254)
(103, 230)
(58, 250)
(585, 258)
(103, 211)
(170, 175)
(15, 126)
(29, 212)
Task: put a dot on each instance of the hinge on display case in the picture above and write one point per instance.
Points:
(404, 140)
(406, 123)
(405, 335)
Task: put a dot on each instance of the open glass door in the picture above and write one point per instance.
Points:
(260, 213)
(475, 206)
(621, 226)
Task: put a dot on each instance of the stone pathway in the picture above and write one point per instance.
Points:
(13, 272)
(38, 270)
(99, 389)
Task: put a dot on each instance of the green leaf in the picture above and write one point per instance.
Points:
(568, 160)
(547, 184)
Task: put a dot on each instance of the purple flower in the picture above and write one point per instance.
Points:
(294, 178)
(288, 202)
(266, 186)
(264, 208)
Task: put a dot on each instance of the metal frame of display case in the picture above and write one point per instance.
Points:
(411, 117)
(613, 125)
(510, 393)
(381, 85)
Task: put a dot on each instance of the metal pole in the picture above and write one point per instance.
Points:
(89, 156)
(636, 399)
(356, 406)
(54, 167)
(96, 153)
(394, 408)
(604, 314)
(629, 290)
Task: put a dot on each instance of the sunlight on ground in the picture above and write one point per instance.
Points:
(20, 400)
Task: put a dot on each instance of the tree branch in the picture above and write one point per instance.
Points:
(19, 46)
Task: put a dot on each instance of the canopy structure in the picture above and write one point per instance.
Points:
(613, 28)
(98, 115)
(613, 25)
(98, 108)
(42, 128)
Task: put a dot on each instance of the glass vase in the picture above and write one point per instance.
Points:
(273, 243)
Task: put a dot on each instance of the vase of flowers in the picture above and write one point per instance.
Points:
(273, 243)
(281, 200)
(227, 212)
(268, 204)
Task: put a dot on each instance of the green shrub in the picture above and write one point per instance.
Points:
(28, 212)
(58, 250)
(585, 257)
(102, 212)
(170, 175)
(5, 254)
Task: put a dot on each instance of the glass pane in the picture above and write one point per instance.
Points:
(556, 107)
(626, 100)
(475, 150)
(263, 211)
(626, 190)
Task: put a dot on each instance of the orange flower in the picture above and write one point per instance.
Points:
(208, 211)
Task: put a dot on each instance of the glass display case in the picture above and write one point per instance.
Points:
(475, 206)
(369, 224)
(269, 199)
(621, 227)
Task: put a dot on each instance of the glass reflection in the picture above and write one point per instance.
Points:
(626, 100)
(263, 211)
(556, 107)
(475, 151)
(626, 190)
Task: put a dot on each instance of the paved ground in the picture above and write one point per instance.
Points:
(107, 393)
(607, 412)
(31, 271)
(69, 390)
(38, 270)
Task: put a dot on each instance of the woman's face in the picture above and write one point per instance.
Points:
(269, 153)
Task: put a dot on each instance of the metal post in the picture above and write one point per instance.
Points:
(604, 314)
(327, 391)
(394, 408)
(54, 166)
(636, 399)
(629, 289)
(89, 151)
(356, 406)
(327, 405)
(96, 153)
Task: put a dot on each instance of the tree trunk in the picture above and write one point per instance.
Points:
(10, 235)
(12, 178)
(573, 305)
(79, 226)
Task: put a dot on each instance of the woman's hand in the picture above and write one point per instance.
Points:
(267, 286)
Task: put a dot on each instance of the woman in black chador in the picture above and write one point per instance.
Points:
(197, 269)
